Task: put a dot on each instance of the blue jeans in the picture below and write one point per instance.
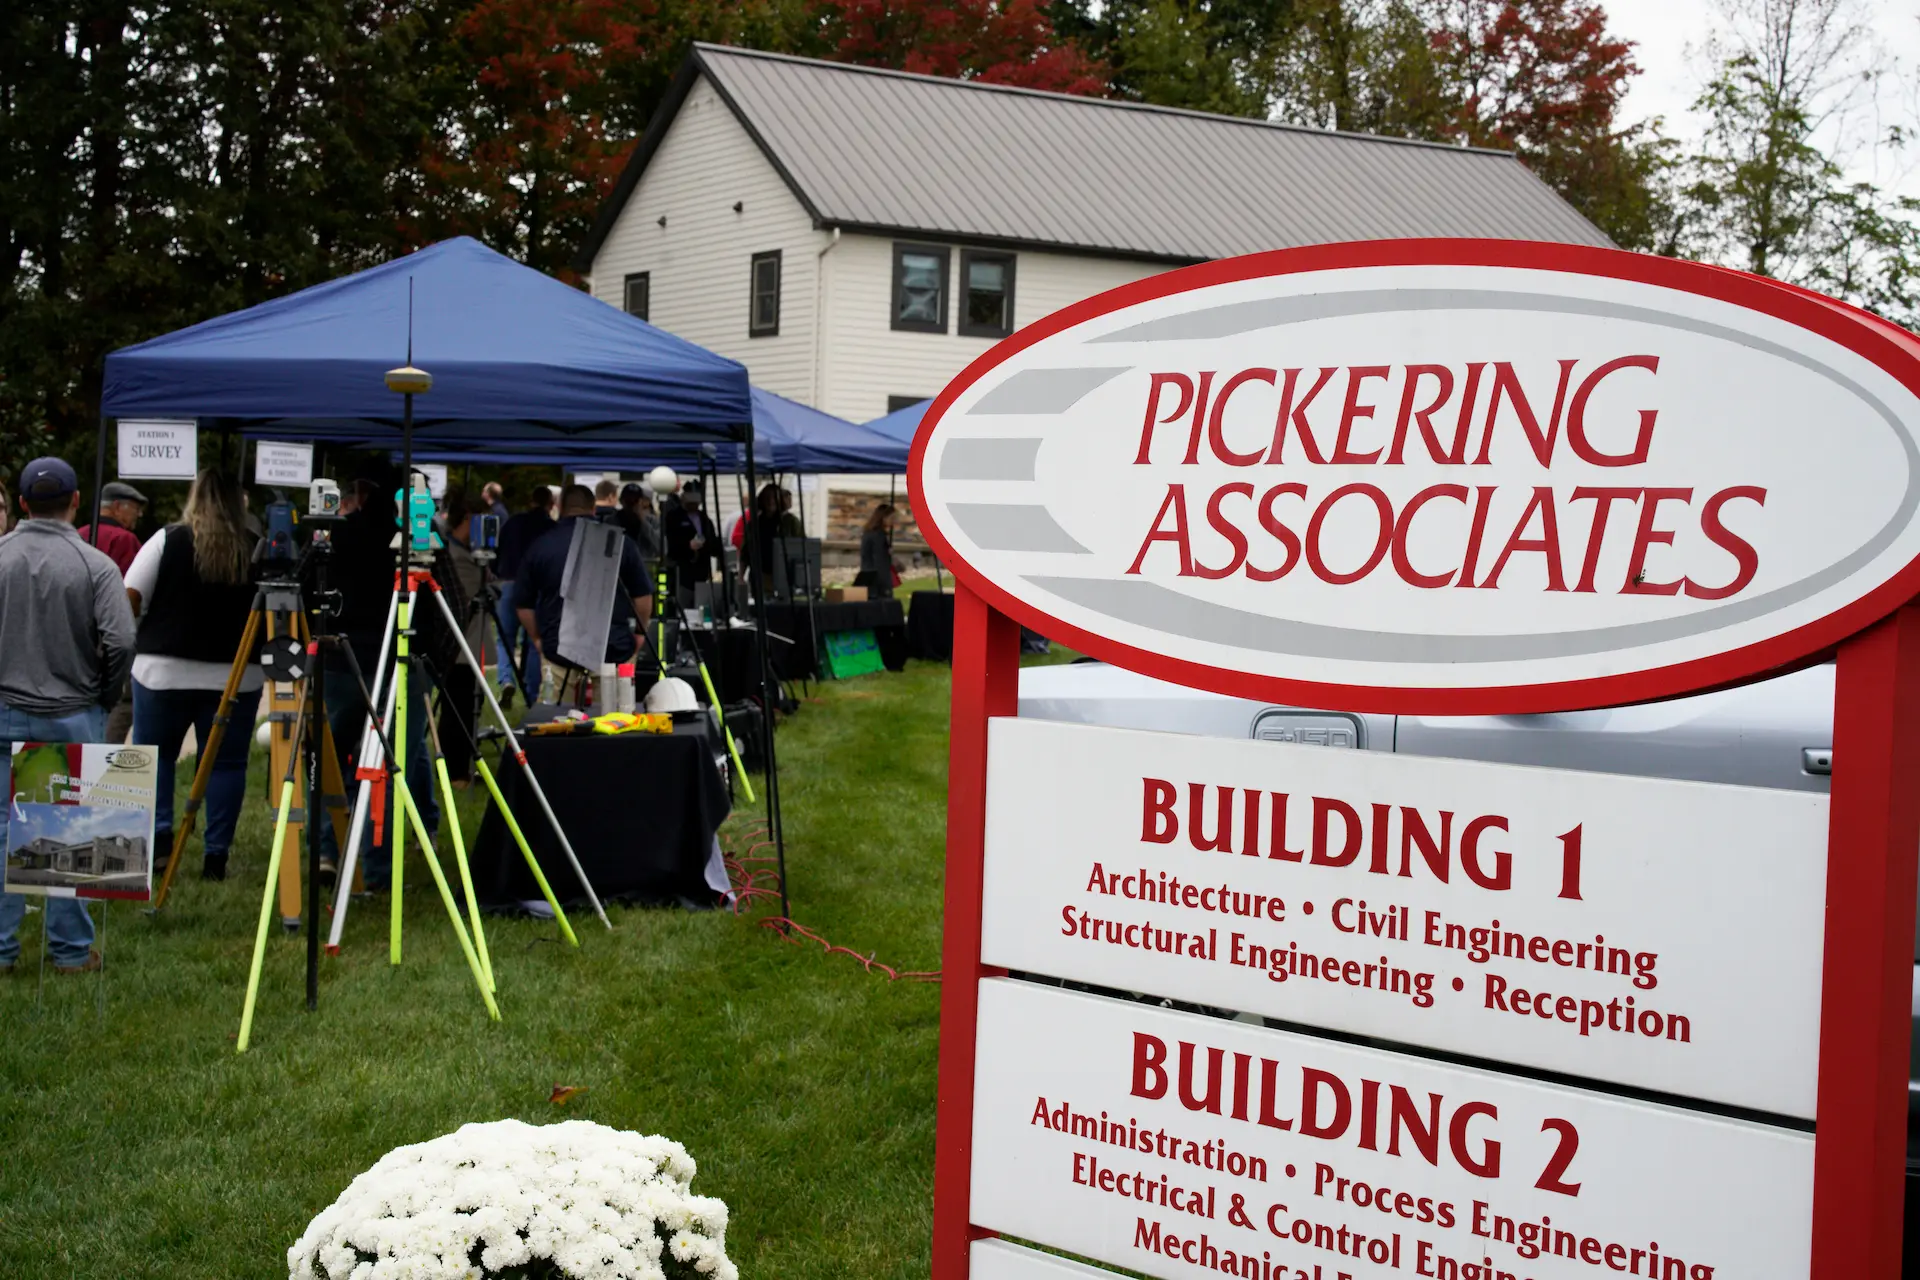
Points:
(347, 714)
(161, 718)
(513, 637)
(69, 928)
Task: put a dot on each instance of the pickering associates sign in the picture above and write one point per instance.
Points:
(1223, 1007)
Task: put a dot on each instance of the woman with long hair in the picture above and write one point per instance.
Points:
(6, 510)
(190, 590)
(876, 553)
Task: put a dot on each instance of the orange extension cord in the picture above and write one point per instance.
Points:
(754, 876)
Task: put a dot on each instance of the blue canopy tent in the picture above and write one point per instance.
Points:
(900, 425)
(788, 436)
(514, 356)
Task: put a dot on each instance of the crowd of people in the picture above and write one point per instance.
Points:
(106, 637)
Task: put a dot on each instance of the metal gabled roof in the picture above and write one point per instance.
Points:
(887, 151)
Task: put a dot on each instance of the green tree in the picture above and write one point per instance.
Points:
(1363, 66)
(1766, 190)
(1545, 79)
(172, 162)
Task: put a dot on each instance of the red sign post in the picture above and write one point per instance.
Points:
(1458, 477)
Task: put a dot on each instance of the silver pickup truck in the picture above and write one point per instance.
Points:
(1776, 733)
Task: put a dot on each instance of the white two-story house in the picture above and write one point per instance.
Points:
(857, 236)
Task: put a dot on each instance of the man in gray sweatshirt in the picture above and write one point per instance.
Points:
(66, 646)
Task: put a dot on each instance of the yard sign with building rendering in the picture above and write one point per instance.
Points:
(1607, 1025)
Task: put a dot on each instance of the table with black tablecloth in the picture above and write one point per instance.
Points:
(930, 626)
(732, 658)
(795, 623)
(640, 809)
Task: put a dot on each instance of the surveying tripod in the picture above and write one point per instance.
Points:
(278, 614)
(388, 696)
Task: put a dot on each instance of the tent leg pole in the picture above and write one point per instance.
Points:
(99, 480)
(767, 702)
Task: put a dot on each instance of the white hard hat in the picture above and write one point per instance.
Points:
(663, 480)
(671, 694)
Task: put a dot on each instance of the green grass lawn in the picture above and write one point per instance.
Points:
(140, 1144)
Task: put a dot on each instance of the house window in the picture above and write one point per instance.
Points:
(638, 294)
(986, 305)
(920, 287)
(896, 403)
(763, 307)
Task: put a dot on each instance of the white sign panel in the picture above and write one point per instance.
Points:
(1184, 1147)
(158, 449)
(436, 474)
(1002, 1260)
(1658, 934)
(1442, 484)
(282, 464)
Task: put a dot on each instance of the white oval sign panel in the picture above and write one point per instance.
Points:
(1467, 476)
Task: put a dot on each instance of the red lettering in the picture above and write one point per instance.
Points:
(1746, 561)
(1216, 436)
(1297, 415)
(1149, 1066)
(1176, 502)
(1603, 500)
(1645, 536)
(1507, 384)
(1158, 825)
(1408, 414)
(1159, 383)
(1352, 410)
(1577, 438)
(1383, 510)
(1288, 539)
(1402, 564)
(1547, 544)
(1226, 529)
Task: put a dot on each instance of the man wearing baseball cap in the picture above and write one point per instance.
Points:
(121, 506)
(66, 647)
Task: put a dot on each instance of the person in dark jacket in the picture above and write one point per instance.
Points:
(876, 554)
(189, 587)
(516, 535)
(692, 540)
(542, 575)
(638, 520)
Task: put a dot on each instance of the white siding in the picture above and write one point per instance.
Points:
(867, 360)
(698, 262)
(836, 349)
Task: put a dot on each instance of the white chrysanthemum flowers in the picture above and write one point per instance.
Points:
(597, 1203)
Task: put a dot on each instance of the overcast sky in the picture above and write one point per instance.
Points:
(1669, 36)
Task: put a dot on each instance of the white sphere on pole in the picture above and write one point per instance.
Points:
(662, 480)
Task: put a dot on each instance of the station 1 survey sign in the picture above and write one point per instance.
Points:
(1220, 1007)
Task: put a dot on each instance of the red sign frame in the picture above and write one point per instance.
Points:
(1891, 348)
(1873, 834)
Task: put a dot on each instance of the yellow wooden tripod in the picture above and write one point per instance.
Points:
(277, 611)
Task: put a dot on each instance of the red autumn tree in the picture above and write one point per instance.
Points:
(1545, 78)
(525, 155)
(998, 41)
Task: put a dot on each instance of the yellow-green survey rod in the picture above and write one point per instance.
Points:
(739, 766)
(398, 876)
(466, 873)
(266, 912)
(446, 896)
(533, 864)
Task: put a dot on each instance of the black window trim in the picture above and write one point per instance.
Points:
(968, 257)
(626, 294)
(753, 275)
(900, 249)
